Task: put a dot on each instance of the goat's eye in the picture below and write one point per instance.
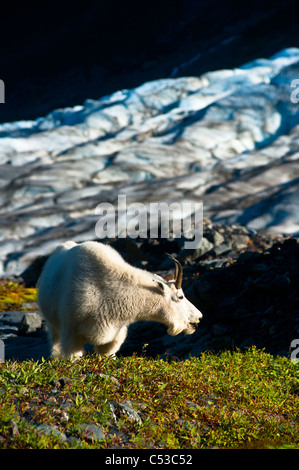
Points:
(180, 297)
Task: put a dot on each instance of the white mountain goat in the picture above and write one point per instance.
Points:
(89, 294)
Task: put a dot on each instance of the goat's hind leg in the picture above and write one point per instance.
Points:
(113, 346)
(72, 346)
(54, 337)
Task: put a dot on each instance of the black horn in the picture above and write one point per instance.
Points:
(178, 272)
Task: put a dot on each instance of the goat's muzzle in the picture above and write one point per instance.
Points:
(194, 325)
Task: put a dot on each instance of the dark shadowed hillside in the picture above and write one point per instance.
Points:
(57, 54)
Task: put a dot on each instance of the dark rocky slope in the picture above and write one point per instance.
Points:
(250, 298)
(245, 284)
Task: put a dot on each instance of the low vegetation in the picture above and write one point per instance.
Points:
(240, 399)
(230, 400)
(15, 296)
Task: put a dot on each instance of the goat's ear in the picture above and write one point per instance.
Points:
(160, 284)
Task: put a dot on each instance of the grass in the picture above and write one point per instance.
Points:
(230, 400)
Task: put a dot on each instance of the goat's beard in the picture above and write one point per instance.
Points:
(174, 330)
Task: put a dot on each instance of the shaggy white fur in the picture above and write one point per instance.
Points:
(89, 294)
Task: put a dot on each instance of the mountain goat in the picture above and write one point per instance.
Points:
(89, 294)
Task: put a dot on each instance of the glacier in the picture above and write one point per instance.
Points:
(228, 139)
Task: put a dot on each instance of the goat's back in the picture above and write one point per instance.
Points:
(77, 272)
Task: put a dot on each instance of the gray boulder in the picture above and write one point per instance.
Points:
(30, 324)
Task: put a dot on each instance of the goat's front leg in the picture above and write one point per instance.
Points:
(113, 346)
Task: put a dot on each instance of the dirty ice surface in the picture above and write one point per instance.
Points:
(228, 139)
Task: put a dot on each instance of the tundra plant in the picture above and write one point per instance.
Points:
(89, 294)
(140, 220)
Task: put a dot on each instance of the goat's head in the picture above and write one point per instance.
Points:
(181, 315)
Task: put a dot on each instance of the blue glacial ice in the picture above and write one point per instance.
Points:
(228, 138)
